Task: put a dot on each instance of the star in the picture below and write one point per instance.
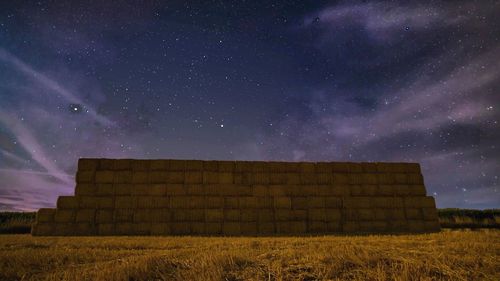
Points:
(75, 108)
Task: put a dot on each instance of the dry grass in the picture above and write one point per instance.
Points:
(448, 255)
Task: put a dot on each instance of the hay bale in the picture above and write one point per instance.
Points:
(350, 214)
(413, 214)
(142, 215)
(357, 202)
(140, 177)
(350, 226)
(158, 164)
(248, 202)
(104, 216)
(160, 229)
(124, 228)
(356, 190)
(340, 179)
(157, 189)
(179, 215)
(415, 179)
(196, 202)
(106, 164)
(400, 178)
(140, 165)
(355, 178)
(105, 189)
(105, 202)
(104, 176)
(386, 178)
(45, 215)
(282, 202)
(144, 202)
(85, 189)
(214, 215)
(277, 190)
(366, 214)
(85, 176)
(299, 203)
(231, 202)
(369, 178)
(432, 226)
(180, 202)
(277, 178)
(334, 226)
(308, 178)
(226, 166)
(142, 228)
(232, 215)
(226, 178)
(64, 216)
(231, 228)
(248, 228)
(385, 190)
(265, 202)
(333, 214)
(324, 167)
(265, 215)
(324, 178)
(417, 190)
(315, 202)
(391, 167)
(213, 228)
(307, 168)
(210, 177)
(87, 164)
(298, 215)
(175, 177)
(160, 202)
(193, 165)
(180, 228)
(124, 215)
(266, 228)
(161, 215)
(175, 190)
(193, 177)
(65, 229)
(194, 189)
(197, 228)
(196, 215)
(212, 166)
(317, 227)
(88, 202)
(316, 214)
(214, 202)
(67, 202)
(369, 167)
(283, 215)
(123, 177)
(416, 226)
(106, 229)
(368, 190)
(340, 167)
(401, 190)
(430, 214)
(177, 165)
(260, 190)
(122, 164)
(125, 202)
(387, 202)
(419, 202)
(333, 202)
(123, 189)
(340, 190)
(85, 215)
(158, 176)
(381, 214)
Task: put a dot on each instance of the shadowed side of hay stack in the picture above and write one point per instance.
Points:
(192, 197)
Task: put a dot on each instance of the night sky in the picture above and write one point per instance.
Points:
(250, 80)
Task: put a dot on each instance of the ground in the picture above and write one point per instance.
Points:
(448, 255)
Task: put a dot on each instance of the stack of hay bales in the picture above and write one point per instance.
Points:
(182, 197)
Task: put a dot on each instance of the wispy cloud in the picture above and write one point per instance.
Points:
(51, 84)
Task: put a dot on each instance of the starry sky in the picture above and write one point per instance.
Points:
(250, 80)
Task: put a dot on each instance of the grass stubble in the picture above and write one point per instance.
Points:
(448, 255)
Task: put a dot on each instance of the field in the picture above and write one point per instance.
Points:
(448, 255)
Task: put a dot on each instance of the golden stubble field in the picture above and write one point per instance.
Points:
(448, 255)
